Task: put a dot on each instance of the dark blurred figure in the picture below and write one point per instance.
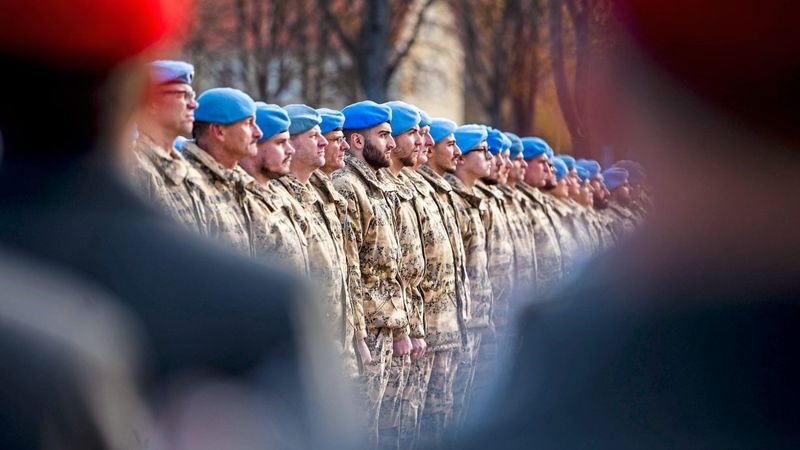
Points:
(70, 355)
(686, 335)
(77, 71)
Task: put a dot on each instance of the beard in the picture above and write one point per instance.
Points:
(409, 161)
(375, 157)
(490, 181)
(548, 186)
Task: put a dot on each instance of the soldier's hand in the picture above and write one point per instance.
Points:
(402, 346)
(363, 351)
(418, 348)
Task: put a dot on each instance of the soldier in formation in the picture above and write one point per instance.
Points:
(418, 235)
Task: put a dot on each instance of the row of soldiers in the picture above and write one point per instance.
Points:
(416, 232)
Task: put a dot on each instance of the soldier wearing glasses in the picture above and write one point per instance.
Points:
(160, 172)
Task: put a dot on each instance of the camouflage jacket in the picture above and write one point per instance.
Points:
(442, 330)
(623, 220)
(226, 217)
(471, 211)
(335, 213)
(167, 180)
(549, 269)
(522, 235)
(276, 235)
(598, 223)
(571, 252)
(412, 254)
(445, 201)
(327, 267)
(373, 241)
(499, 251)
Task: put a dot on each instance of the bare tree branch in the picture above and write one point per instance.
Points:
(348, 43)
(394, 63)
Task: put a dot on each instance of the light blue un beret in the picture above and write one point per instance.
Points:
(615, 177)
(561, 168)
(272, 119)
(516, 145)
(424, 119)
(636, 173)
(365, 114)
(441, 128)
(331, 120)
(404, 117)
(583, 174)
(533, 147)
(165, 71)
(592, 166)
(568, 160)
(224, 105)
(303, 118)
(497, 141)
(469, 136)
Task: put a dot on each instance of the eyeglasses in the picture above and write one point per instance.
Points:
(189, 96)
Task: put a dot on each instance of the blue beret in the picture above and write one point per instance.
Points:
(516, 145)
(469, 136)
(497, 141)
(568, 160)
(404, 117)
(366, 114)
(424, 119)
(592, 166)
(636, 173)
(164, 71)
(561, 169)
(441, 128)
(615, 177)
(550, 153)
(331, 120)
(583, 174)
(533, 147)
(303, 118)
(224, 105)
(272, 119)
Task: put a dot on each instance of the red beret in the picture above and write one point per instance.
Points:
(87, 34)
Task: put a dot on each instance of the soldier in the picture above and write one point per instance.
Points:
(446, 290)
(549, 269)
(521, 226)
(277, 235)
(326, 262)
(624, 221)
(471, 211)
(225, 132)
(160, 172)
(335, 209)
(599, 202)
(405, 132)
(371, 238)
(573, 252)
(583, 201)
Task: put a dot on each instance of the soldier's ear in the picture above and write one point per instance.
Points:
(357, 140)
(218, 131)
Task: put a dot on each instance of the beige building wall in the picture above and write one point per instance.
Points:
(432, 76)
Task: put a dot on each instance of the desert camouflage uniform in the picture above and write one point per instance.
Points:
(570, 248)
(471, 211)
(327, 267)
(549, 268)
(166, 179)
(524, 244)
(576, 224)
(276, 236)
(445, 311)
(601, 230)
(623, 221)
(370, 215)
(226, 217)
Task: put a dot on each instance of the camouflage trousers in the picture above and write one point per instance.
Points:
(487, 370)
(439, 398)
(414, 400)
(465, 375)
(397, 370)
(376, 376)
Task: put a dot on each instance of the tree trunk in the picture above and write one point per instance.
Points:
(374, 42)
(565, 98)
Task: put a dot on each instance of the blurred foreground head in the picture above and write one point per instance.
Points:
(77, 69)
